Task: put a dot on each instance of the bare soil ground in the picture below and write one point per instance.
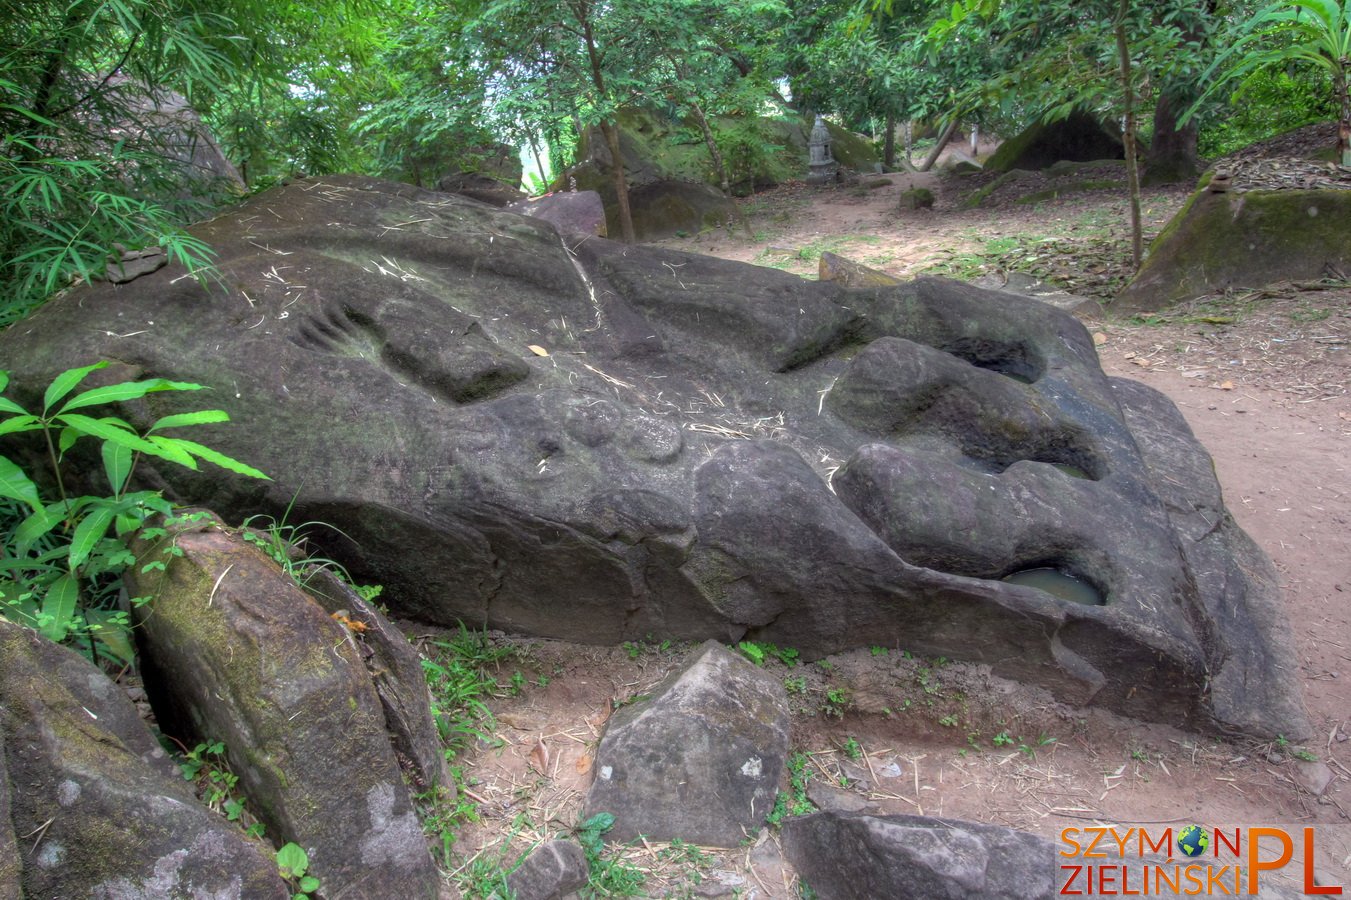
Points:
(1261, 376)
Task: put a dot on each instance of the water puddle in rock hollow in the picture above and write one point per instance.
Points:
(1058, 584)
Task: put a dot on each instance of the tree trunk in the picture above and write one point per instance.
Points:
(714, 153)
(943, 138)
(611, 134)
(1132, 163)
(539, 161)
(889, 143)
(1343, 85)
(1172, 155)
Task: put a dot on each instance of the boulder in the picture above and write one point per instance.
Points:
(11, 886)
(853, 856)
(480, 187)
(917, 198)
(102, 815)
(574, 212)
(700, 759)
(611, 442)
(395, 669)
(163, 121)
(1079, 137)
(1223, 239)
(234, 651)
(845, 856)
(552, 871)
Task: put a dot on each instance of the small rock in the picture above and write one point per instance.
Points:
(833, 799)
(1314, 776)
(917, 198)
(550, 872)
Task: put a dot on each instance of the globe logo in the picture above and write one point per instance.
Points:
(1193, 840)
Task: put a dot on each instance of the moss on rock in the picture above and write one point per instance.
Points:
(1219, 241)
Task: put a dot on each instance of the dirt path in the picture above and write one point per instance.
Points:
(1263, 382)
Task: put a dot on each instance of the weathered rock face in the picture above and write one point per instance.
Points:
(699, 760)
(234, 651)
(113, 818)
(860, 856)
(709, 449)
(844, 856)
(1231, 239)
(1079, 137)
(576, 212)
(552, 871)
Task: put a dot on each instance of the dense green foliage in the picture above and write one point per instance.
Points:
(91, 153)
(62, 555)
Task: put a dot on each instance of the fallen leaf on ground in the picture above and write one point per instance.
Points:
(1143, 363)
(539, 758)
(537, 349)
(1099, 339)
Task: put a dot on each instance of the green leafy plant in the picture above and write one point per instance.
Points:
(292, 864)
(443, 812)
(457, 674)
(752, 651)
(1312, 33)
(852, 748)
(207, 768)
(1003, 739)
(610, 877)
(794, 801)
(61, 555)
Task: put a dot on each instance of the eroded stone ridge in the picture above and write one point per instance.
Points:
(598, 442)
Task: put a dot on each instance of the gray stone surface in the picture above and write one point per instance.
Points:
(551, 872)
(849, 856)
(700, 759)
(708, 449)
(574, 212)
(97, 818)
(233, 650)
(395, 668)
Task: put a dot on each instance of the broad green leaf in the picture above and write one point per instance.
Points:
(292, 861)
(42, 521)
(168, 448)
(65, 382)
(8, 405)
(117, 461)
(4, 376)
(220, 459)
(62, 596)
(16, 485)
(88, 533)
(24, 422)
(67, 440)
(201, 417)
(109, 429)
(127, 390)
(110, 631)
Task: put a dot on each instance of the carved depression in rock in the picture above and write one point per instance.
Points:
(574, 438)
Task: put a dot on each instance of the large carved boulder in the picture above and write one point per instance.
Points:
(607, 442)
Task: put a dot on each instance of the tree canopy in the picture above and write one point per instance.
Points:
(411, 89)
